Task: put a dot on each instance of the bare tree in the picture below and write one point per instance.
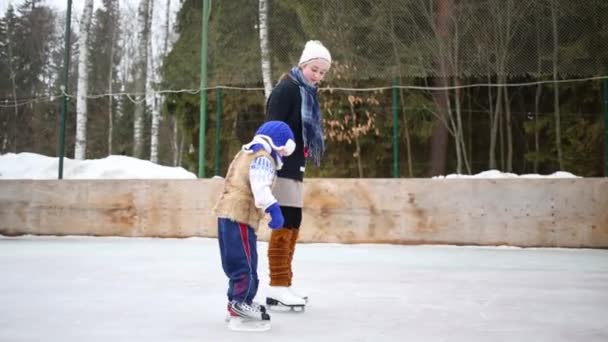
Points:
(537, 96)
(12, 75)
(141, 71)
(154, 98)
(264, 47)
(397, 47)
(439, 140)
(128, 48)
(82, 90)
(558, 129)
(505, 17)
(174, 121)
(110, 84)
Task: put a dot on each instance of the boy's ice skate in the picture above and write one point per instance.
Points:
(245, 317)
(281, 299)
(255, 305)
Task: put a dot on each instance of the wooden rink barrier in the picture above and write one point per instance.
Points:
(526, 212)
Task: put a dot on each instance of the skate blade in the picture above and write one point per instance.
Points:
(275, 305)
(243, 324)
(284, 308)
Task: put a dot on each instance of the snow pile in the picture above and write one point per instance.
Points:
(499, 174)
(35, 166)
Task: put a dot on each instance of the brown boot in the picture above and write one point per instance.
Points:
(292, 250)
(278, 256)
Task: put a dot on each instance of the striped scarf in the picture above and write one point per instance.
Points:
(312, 124)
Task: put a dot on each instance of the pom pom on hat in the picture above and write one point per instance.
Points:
(280, 136)
(314, 49)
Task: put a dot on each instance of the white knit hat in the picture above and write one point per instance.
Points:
(314, 49)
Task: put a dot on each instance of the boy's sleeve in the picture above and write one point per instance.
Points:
(261, 176)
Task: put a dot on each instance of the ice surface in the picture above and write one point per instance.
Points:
(144, 289)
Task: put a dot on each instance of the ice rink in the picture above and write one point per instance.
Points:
(139, 289)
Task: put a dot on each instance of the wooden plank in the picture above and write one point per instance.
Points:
(546, 212)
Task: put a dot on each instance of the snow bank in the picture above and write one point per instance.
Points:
(499, 174)
(35, 166)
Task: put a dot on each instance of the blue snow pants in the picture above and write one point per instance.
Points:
(238, 249)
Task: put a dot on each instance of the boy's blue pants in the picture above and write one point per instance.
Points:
(238, 249)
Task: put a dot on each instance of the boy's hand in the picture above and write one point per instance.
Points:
(277, 220)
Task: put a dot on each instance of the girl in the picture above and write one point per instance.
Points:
(294, 101)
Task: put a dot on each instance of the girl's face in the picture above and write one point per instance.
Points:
(315, 71)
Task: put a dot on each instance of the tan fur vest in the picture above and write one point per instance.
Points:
(236, 201)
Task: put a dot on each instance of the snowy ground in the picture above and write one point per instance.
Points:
(26, 165)
(139, 289)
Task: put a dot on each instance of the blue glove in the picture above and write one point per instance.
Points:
(277, 220)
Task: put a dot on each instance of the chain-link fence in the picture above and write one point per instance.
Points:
(417, 88)
(378, 41)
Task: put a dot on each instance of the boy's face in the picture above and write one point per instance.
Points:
(315, 71)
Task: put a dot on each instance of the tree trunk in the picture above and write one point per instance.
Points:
(408, 144)
(264, 47)
(491, 121)
(459, 131)
(558, 129)
(174, 121)
(155, 128)
(537, 96)
(154, 99)
(439, 139)
(83, 82)
(111, 88)
(13, 75)
(461, 152)
(175, 141)
(356, 133)
(494, 130)
(509, 130)
(141, 71)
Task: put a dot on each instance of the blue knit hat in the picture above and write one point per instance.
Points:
(279, 136)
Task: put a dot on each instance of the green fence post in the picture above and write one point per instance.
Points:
(218, 127)
(395, 130)
(203, 100)
(606, 128)
(64, 100)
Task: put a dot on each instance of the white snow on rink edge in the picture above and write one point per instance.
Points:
(27, 165)
(35, 166)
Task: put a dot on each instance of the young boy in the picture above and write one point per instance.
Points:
(246, 197)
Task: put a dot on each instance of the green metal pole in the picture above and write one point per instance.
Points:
(218, 127)
(64, 101)
(395, 130)
(203, 100)
(605, 128)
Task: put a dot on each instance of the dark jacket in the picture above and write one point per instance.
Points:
(285, 104)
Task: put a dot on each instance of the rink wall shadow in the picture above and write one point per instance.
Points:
(546, 212)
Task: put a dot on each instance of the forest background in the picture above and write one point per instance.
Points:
(418, 87)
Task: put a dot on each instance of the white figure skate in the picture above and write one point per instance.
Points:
(298, 294)
(279, 298)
